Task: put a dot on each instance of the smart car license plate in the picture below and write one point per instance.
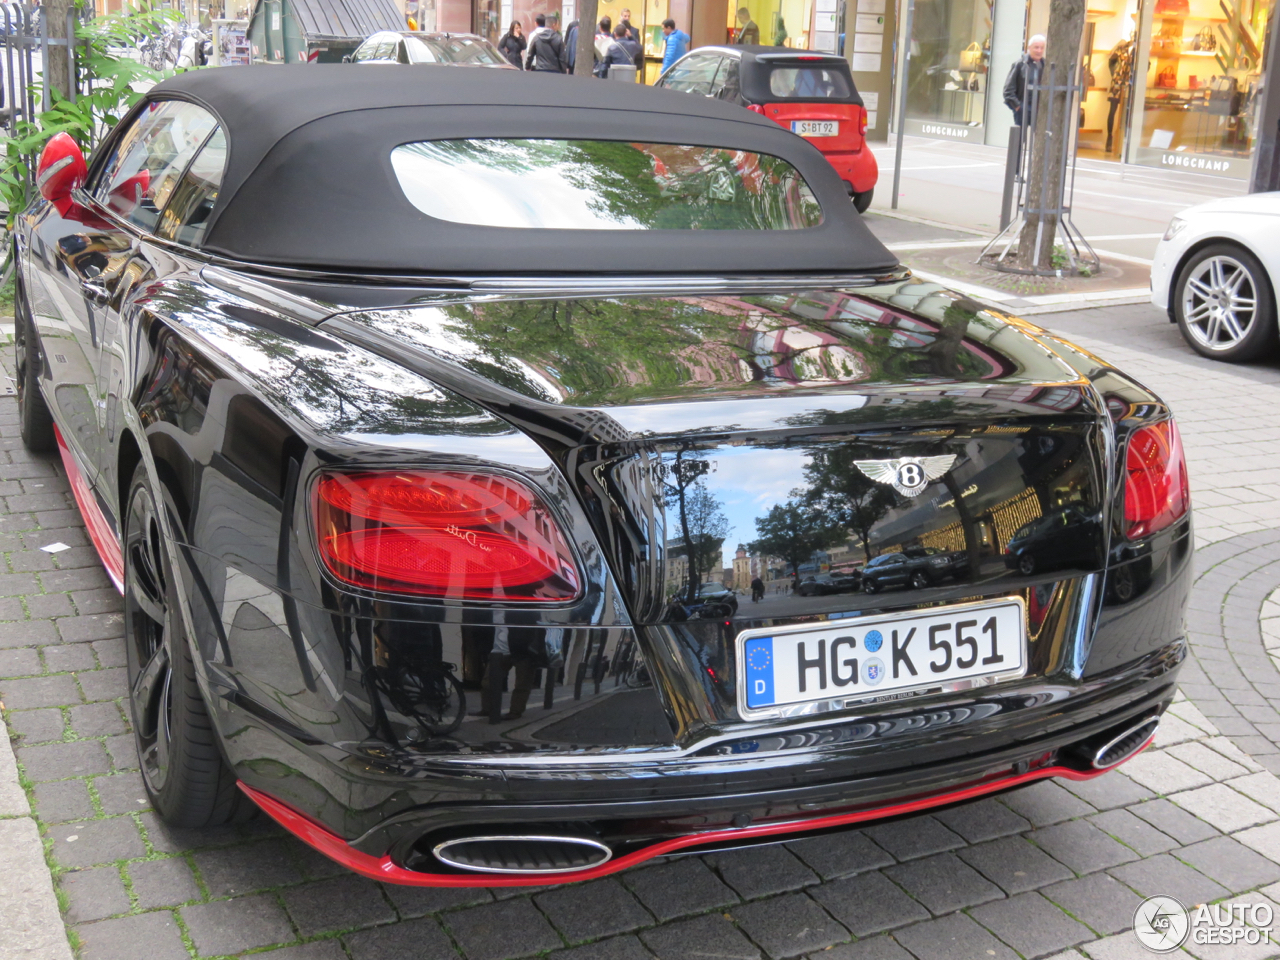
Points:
(816, 128)
(865, 658)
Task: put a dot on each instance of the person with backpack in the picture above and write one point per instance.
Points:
(621, 50)
(546, 46)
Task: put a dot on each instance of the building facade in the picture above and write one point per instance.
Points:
(1171, 84)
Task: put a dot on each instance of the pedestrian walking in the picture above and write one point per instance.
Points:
(513, 44)
(677, 44)
(749, 34)
(757, 590)
(622, 50)
(1025, 71)
(546, 46)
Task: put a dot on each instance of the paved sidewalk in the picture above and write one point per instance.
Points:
(1054, 869)
(1123, 209)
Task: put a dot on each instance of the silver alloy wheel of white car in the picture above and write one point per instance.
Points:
(1219, 302)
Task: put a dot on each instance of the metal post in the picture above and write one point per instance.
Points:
(903, 81)
(1012, 164)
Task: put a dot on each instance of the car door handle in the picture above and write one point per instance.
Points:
(95, 293)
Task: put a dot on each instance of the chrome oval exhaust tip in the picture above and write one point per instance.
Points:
(1125, 744)
(522, 853)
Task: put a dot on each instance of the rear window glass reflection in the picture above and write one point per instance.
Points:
(808, 83)
(603, 185)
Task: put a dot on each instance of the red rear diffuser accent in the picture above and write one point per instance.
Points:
(382, 868)
(104, 538)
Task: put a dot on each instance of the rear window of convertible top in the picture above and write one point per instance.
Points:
(603, 185)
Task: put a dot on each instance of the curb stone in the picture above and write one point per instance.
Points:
(31, 925)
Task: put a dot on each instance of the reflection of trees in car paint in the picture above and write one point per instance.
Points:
(603, 184)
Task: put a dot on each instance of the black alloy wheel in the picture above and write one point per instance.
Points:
(1026, 564)
(1224, 304)
(870, 586)
(920, 580)
(182, 767)
(34, 419)
(862, 201)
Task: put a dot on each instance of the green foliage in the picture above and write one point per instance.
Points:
(794, 530)
(117, 81)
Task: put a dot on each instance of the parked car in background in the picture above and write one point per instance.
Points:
(475, 408)
(809, 93)
(823, 583)
(1215, 273)
(1062, 537)
(917, 567)
(406, 46)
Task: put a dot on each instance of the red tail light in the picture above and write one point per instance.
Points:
(473, 536)
(862, 129)
(1155, 488)
(755, 108)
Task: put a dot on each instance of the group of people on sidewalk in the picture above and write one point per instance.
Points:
(545, 50)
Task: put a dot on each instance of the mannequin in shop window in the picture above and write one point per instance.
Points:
(1120, 63)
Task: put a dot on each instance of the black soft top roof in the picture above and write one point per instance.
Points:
(309, 181)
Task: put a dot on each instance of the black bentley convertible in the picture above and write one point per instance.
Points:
(400, 413)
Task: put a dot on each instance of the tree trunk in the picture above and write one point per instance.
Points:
(584, 59)
(1044, 176)
(57, 76)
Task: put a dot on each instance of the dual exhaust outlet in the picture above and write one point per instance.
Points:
(533, 854)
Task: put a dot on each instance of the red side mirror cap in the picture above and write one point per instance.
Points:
(61, 168)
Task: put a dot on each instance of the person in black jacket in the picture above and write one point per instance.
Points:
(513, 44)
(621, 51)
(546, 46)
(1028, 68)
(633, 33)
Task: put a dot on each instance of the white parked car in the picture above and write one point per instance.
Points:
(1215, 272)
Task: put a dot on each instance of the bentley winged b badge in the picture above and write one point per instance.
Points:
(908, 475)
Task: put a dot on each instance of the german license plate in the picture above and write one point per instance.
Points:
(816, 128)
(867, 658)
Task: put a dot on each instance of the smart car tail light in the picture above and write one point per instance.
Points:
(1155, 486)
(472, 536)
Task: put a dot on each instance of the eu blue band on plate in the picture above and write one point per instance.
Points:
(758, 654)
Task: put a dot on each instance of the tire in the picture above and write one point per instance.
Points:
(34, 419)
(870, 586)
(920, 580)
(185, 777)
(1224, 305)
(1026, 564)
(862, 201)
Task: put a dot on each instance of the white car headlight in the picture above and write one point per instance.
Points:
(1176, 226)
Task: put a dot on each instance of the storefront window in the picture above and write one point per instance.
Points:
(772, 23)
(488, 22)
(1199, 94)
(950, 53)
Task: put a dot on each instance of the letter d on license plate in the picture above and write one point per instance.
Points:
(863, 658)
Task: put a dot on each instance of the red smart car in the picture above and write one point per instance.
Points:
(811, 94)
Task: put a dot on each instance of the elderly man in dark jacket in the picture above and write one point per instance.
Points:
(1027, 69)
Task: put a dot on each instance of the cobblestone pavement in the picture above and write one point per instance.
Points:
(1054, 869)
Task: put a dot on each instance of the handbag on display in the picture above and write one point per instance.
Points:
(1167, 78)
(1224, 96)
(971, 57)
(1204, 41)
(1173, 8)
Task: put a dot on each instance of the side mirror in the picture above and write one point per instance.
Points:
(61, 168)
(346, 58)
